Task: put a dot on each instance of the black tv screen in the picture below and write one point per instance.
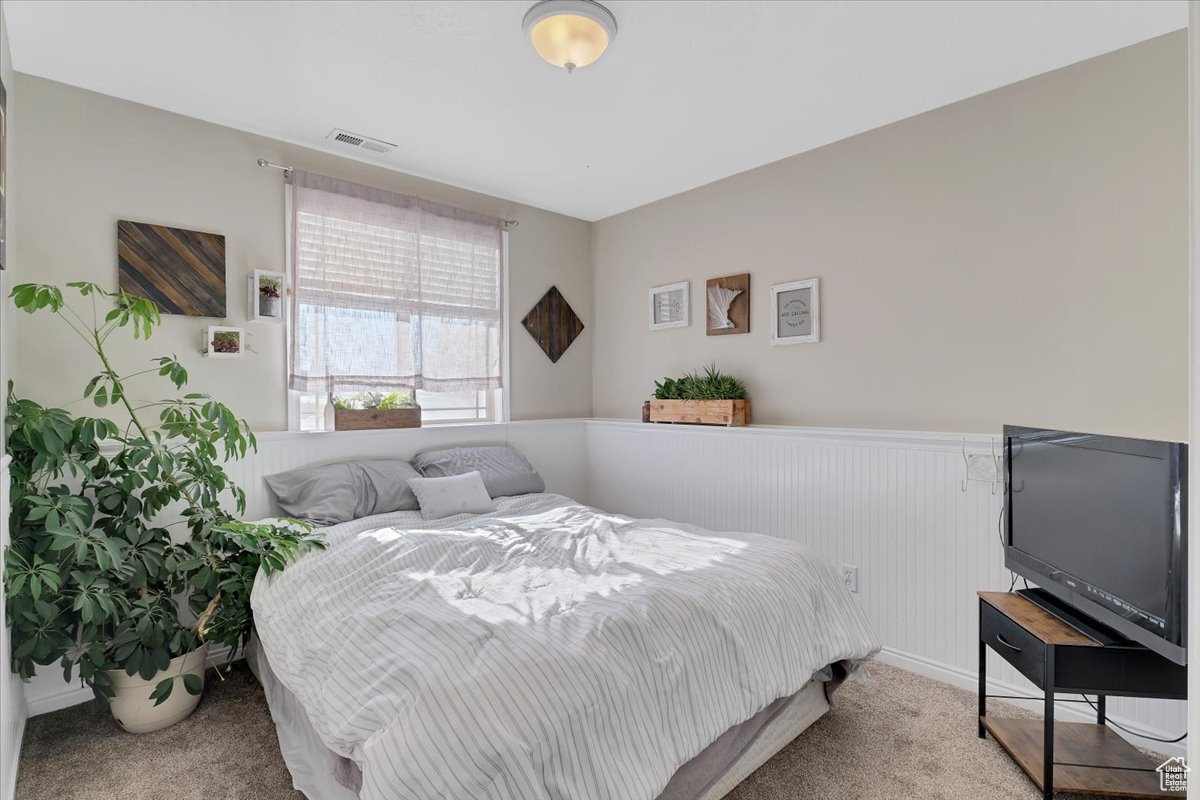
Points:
(1099, 521)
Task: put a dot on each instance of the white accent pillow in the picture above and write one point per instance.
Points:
(457, 494)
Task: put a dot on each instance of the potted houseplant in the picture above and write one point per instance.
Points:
(374, 410)
(226, 342)
(708, 398)
(268, 296)
(113, 525)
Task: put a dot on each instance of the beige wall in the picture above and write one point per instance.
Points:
(95, 159)
(1017, 257)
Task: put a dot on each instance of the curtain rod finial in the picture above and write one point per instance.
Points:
(262, 162)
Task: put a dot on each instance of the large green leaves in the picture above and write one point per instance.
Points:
(30, 577)
(31, 297)
(94, 573)
(170, 368)
(162, 691)
(194, 685)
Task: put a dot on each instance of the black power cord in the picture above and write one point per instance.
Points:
(1120, 727)
(1000, 532)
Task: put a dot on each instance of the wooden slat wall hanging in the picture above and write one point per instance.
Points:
(182, 271)
(553, 324)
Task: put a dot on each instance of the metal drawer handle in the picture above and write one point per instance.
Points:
(1000, 638)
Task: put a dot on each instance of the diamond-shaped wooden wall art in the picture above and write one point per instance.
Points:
(553, 324)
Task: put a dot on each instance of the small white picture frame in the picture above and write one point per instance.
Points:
(222, 341)
(266, 292)
(796, 312)
(670, 306)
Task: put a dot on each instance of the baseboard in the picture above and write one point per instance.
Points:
(1068, 712)
(72, 694)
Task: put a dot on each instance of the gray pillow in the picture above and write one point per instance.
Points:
(333, 493)
(457, 494)
(505, 471)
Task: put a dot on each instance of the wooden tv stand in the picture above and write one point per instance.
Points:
(1066, 651)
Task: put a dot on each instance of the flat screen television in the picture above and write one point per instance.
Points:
(1100, 523)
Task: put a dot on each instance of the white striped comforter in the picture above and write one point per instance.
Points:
(547, 651)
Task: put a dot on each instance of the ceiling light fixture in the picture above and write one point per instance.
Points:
(570, 33)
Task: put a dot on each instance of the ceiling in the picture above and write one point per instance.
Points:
(690, 92)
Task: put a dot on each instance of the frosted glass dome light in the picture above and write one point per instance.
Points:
(570, 33)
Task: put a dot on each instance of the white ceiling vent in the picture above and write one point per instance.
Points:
(359, 141)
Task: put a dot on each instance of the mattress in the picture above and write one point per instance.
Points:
(322, 774)
(548, 649)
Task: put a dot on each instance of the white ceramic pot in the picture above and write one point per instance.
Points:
(132, 707)
(268, 306)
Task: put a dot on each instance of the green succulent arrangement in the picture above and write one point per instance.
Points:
(712, 384)
(95, 572)
(380, 400)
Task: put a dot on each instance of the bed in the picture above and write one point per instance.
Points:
(547, 651)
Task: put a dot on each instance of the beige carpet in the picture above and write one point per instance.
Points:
(895, 736)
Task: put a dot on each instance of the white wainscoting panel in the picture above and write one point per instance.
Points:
(890, 503)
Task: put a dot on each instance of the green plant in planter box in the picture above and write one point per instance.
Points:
(94, 578)
(371, 400)
(711, 385)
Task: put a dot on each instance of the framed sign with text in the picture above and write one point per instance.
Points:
(796, 312)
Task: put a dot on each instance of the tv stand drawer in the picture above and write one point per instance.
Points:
(1015, 645)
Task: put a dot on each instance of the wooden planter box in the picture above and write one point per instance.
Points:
(730, 413)
(363, 419)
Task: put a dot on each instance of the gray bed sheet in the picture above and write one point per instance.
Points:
(693, 780)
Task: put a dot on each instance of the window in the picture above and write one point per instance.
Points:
(393, 293)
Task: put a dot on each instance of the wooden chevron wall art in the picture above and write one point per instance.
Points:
(553, 324)
(182, 271)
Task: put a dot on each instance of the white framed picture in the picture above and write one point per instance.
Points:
(670, 306)
(266, 293)
(221, 341)
(796, 312)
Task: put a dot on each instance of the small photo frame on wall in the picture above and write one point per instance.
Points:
(221, 341)
(796, 312)
(670, 306)
(266, 293)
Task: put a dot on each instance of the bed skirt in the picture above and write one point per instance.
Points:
(321, 774)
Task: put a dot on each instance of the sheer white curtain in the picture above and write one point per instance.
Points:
(391, 292)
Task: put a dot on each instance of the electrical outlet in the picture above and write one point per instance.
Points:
(850, 577)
